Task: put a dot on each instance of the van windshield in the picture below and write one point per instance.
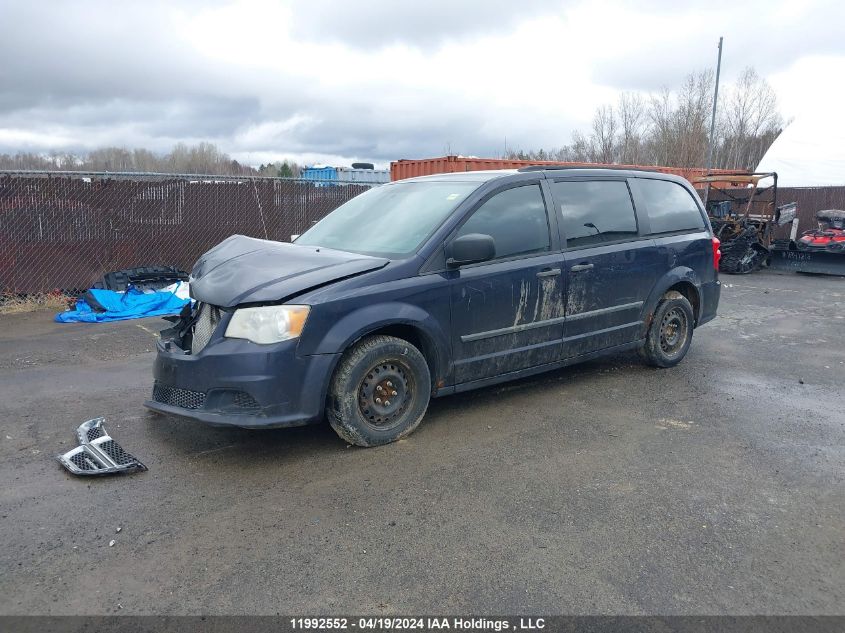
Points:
(390, 220)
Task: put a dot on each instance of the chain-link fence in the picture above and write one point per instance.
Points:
(64, 230)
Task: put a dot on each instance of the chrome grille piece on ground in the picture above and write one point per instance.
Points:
(208, 317)
(176, 397)
(98, 454)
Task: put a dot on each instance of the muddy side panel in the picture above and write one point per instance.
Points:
(607, 287)
(506, 316)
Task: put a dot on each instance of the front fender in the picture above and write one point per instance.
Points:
(352, 326)
(674, 276)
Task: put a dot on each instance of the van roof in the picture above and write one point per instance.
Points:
(464, 176)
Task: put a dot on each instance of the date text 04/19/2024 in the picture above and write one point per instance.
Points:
(417, 623)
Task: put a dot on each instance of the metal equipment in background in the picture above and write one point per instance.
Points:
(743, 213)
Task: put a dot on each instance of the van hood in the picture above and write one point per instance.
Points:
(247, 270)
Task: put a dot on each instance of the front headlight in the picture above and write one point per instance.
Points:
(267, 324)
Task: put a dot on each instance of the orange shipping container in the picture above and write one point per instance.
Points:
(401, 169)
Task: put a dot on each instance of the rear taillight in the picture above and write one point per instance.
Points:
(717, 254)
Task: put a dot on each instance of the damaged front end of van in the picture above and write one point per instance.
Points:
(231, 358)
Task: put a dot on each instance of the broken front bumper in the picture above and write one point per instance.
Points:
(233, 382)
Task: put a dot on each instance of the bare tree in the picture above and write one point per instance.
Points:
(632, 121)
(203, 158)
(672, 127)
(145, 160)
(692, 116)
(604, 135)
(662, 138)
(580, 151)
(749, 121)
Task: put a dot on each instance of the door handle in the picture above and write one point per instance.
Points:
(577, 268)
(549, 272)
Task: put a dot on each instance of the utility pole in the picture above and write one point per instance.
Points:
(713, 120)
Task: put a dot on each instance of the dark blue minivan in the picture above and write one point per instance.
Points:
(435, 285)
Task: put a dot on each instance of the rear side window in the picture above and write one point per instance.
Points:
(515, 218)
(670, 206)
(594, 212)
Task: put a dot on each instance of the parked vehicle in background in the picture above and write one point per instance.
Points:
(820, 250)
(829, 234)
(437, 285)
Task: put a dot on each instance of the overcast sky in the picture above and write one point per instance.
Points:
(378, 80)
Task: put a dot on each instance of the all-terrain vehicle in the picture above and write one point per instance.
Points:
(830, 234)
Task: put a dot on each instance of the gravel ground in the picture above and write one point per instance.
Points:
(715, 487)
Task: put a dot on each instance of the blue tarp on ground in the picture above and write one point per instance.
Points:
(132, 304)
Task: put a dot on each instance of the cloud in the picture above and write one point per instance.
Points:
(374, 24)
(664, 46)
(371, 80)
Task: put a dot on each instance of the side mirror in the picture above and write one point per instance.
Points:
(470, 249)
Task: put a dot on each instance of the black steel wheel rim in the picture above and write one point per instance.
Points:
(385, 393)
(673, 331)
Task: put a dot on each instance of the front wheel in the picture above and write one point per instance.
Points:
(670, 333)
(379, 392)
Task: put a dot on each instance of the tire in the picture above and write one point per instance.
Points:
(670, 333)
(374, 367)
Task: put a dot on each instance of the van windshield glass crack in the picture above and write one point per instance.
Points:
(392, 219)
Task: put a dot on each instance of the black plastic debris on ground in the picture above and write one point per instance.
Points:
(98, 453)
(143, 278)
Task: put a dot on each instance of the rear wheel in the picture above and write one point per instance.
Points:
(670, 333)
(379, 392)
